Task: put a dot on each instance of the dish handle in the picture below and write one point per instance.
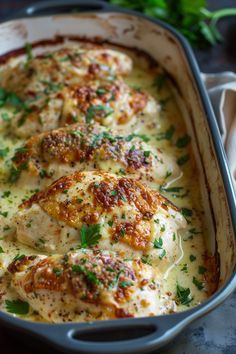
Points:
(53, 7)
(138, 335)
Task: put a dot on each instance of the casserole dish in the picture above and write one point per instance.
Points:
(170, 50)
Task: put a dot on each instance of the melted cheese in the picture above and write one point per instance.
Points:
(156, 129)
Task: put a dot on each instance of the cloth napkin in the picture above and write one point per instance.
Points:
(222, 92)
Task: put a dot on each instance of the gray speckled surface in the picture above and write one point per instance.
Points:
(212, 334)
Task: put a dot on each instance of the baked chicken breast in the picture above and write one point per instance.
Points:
(87, 285)
(50, 155)
(89, 209)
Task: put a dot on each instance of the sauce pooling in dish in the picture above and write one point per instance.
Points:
(100, 211)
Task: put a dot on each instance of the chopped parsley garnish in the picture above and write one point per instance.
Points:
(1, 250)
(57, 271)
(101, 91)
(124, 284)
(80, 200)
(184, 268)
(183, 295)
(163, 253)
(174, 236)
(146, 153)
(92, 110)
(163, 103)
(110, 223)
(183, 141)
(4, 152)
(15, 172)
(109, 269)
(162, 228)
(192, 258)
(97, 139)
(114, 193)
(17, 307)
(5, 117)
(90, 276)
(199, 285)
(22, 149)
(144, 137)
(18, 257)
(158, 243)
(146, 259)
(122, 172)
(183, 159)
(6, 194)
(52, 87)
(90, 235)
(167, 135)
(201, 270)
(4, 213)
(186, 212)
(194, 231)
(28, 49)
(160, 81)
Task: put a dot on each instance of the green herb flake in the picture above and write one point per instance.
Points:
(146, 153)
(125, 284)
(163, 254)
(17, 307)
(18, 257)
(199, 285)
(183, 159)
(159, 81)
(57, 271)
(186, 212)
(144, 137)
(28, 50)
(167, 135)
(184, 296)
(110, 223)
(90, 276)
(114, 193)
(92, 110)
(146, 259)
(4, 213)
(158, 243)
(90, 235)
(192, 258)
(4, 152)
(184, 268)
(5, 117)
(1, 250)
(183, 141)
(201, 270)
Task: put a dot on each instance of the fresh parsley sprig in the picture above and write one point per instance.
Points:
(191, 18)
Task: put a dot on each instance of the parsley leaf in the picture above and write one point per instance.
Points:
(191, 18)
(167, 135)
(144, 137)
(17, 306)
(90, 276)
(183, 295)
(183, 141)
(90, 235)
(125, 283)
(199, 285)
(92, 110)
(158, 243)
